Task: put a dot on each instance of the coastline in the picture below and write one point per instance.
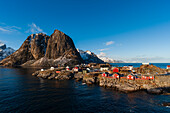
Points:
(160, 85)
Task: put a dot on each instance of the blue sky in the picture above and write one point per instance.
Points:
(129, 30)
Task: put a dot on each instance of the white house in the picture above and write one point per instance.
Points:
(104, 68)
(76, 69)
(168, 67)
(130, 67)
(52, 68)
(67, 68)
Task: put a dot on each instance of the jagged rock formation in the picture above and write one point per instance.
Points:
(89, 57)
(42, 50)
(4, 51)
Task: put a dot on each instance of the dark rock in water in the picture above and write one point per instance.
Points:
(36, 73)
(42, 50)
(155, 91)
(166, 104)
(89, 81)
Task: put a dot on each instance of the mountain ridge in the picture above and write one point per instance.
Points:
(41, 50)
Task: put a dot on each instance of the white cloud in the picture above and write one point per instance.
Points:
(110, 43)
(33, 28)
(4, 30)
(8, 29)
(102, 54)
(104, 49)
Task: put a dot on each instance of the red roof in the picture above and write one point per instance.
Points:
(57, 71)
(130, 75)
(168, 65)
(116, 70)
(76, 68)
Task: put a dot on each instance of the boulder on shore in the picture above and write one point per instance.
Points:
(166, 104)
(155, 91)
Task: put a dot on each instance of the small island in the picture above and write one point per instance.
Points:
(125, 79)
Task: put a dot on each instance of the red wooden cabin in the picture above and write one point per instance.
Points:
(105, 74)
(145, 77)
(116, 75)
(130, 77)
(151, 78)
(115, 70)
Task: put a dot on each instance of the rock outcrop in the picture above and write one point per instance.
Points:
(51, 74)
(145, 69)
(42, 51)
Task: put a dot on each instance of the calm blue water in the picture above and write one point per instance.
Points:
(161, 65)
(20, 92)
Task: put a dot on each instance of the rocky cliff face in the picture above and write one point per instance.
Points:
(5, 51)
(89, 57)
(42, 50)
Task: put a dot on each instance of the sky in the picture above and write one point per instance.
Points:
(128, 30)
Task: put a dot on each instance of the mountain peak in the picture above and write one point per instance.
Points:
(53, 50)
(2, 45)
(4, 51)
(89, 57)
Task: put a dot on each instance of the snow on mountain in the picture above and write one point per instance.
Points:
(4, 51)
(106, 59)
(89, 57)
(109, 60)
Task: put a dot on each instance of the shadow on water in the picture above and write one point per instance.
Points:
(22, 92)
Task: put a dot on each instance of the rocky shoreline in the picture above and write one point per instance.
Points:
(160, 85)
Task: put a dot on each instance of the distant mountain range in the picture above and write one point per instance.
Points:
(90, 57)
(5, 51)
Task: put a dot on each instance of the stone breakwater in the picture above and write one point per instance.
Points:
(161, 84)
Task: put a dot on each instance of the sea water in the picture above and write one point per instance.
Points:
(21, 92)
